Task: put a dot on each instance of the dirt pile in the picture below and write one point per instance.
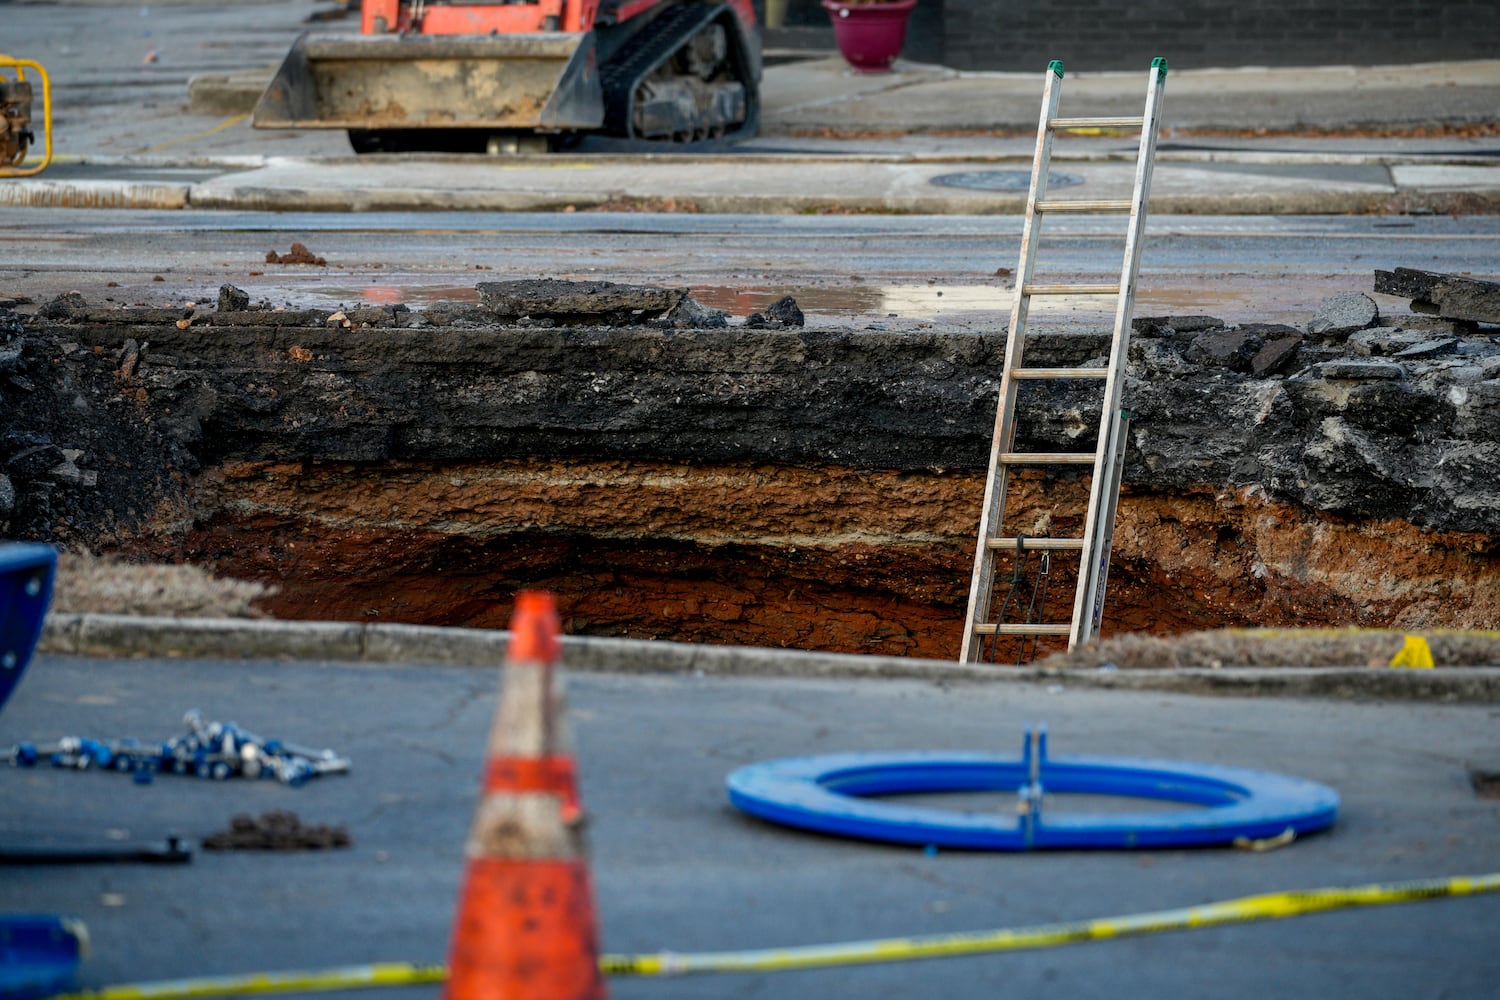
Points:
(802, 486)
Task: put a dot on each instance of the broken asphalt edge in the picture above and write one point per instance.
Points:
(127, 636)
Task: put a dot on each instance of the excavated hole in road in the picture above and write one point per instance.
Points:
(813, 488)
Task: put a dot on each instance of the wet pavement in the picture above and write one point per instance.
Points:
(675, 867)
(899, 271)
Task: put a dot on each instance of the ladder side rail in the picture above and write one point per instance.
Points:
(1090, 581)
(993, 510)
(1106, 520)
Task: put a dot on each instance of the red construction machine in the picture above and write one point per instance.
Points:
(462, 75)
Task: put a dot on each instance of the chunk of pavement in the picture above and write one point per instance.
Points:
(7, 495)
(579, 302)
(1451, 296)
(278, 830)
(785, 311)
(1429, 348)
(1274, 356)
(1361, 371)
(63, 306)
(232, 299)
(1345, 313)
(690, 314)
(781, 313)
(1387, 342)
(298, 254)
(1232, 349)
(1167, 326)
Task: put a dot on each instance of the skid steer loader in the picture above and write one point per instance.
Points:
(462, 76)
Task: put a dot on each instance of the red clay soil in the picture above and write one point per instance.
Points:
(821, 557)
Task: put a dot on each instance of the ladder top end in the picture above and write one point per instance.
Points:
(1055, 66)
(1160, 65)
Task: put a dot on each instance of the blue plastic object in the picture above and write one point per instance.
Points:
(26, 572)
(834, 794)
(39, 954)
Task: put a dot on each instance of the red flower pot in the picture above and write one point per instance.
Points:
(869, 35)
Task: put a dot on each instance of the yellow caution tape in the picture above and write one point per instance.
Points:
(1414, 653)
(347, 977)
(1268, 906)
(1247, 908)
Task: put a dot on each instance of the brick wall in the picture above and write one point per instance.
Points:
(1021, 35)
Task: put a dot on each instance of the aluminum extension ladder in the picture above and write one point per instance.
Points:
(1108, 456)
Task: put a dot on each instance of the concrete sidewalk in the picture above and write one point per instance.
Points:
(1187, 181)
(151, 105)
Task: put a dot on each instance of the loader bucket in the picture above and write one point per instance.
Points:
(542, 80)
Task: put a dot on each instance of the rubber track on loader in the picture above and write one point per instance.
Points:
(670, 31)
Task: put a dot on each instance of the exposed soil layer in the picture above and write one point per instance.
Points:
(810, 488)
(815, 558)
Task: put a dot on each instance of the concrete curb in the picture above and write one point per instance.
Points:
(243, 638)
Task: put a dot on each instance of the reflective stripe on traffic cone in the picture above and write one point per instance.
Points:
(525, 926)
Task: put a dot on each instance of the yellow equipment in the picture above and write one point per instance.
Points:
(16, 136)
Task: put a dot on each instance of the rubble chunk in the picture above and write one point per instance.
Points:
(690, 314)
(232, 299)
(1361, 371)
(780, 314)
(1428, 348)
(1166, 326)
(1451, 296)
(298, 254)
(1385, 342)
(278, 830)
(1345, 313)
(1232, 349)
(578, 302)
(63, 306)
(785, 311)
(374, 315)
(1274, 356)
(130, 357)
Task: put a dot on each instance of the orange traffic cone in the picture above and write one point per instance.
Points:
(525, 926)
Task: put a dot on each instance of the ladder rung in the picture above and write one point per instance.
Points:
(989, 628)
(1079, 205)
(1009, 544)
(1055, 373)
(1047, 458)
(1129, 121)
(1070, 289)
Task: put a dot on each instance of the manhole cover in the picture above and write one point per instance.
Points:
(1001, 180)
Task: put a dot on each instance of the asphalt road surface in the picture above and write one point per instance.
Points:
(850, 268)
(676, 868)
